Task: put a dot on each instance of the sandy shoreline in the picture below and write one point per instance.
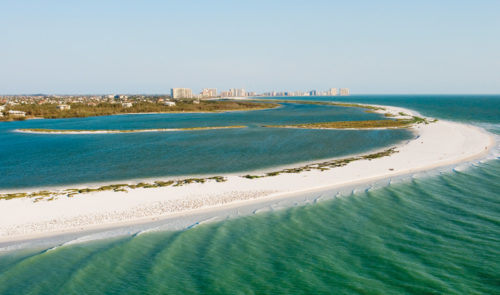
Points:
(111, 131)
(437, 144)
(156, 113)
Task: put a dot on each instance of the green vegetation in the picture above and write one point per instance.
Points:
(41, 130)
(13, 196)
(390, 123)
(217, 178)
(379, 154)
(347, 125)
(189, 180)
(163, 183)
(46, 195)
(326, 165)
(252, 176)
(398, 123)
(355, 105)
(418, 120)
(50, 111)
(369, 108)
(7, 117)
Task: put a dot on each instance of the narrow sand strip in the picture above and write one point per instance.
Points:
(111, 131)
(437, 144)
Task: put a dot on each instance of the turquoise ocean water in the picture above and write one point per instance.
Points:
(39, 160)
(431, 233)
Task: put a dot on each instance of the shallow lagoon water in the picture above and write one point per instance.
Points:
(428, 234)
(45, 160)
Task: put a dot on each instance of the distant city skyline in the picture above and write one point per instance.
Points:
(370, 47)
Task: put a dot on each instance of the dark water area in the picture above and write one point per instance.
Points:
(38, 160)
(430, 234)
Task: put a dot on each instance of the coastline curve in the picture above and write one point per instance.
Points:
(439, 144)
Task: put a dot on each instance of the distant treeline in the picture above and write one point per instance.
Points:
(50, 111)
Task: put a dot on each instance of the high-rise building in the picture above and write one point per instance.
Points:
(181, 93)
(332, 92)
(313, 93)
(209, 92)
(236, 92)
(344, 91)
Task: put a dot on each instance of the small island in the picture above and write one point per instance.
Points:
(369, 124)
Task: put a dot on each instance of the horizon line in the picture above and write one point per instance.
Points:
(261, 94)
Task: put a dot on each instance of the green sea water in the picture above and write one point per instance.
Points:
(430, 233)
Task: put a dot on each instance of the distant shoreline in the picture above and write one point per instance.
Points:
(84, 111)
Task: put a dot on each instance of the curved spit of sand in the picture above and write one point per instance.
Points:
(436, 144)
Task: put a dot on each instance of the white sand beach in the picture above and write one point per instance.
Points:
(54, 131)
(437, 144)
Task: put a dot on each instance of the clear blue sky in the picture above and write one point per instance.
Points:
(151, 46)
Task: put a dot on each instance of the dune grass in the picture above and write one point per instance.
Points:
(49, 195)
(323, 166)
(122, 187)
(369, 124)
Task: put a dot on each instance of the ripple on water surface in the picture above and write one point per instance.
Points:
(436, 234)
(38, 160)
